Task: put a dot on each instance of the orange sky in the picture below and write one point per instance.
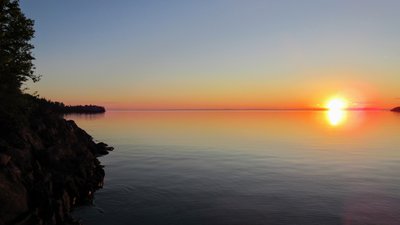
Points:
(217, 54)
(239, 95)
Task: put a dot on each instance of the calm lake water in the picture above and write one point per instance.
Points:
(247, 167)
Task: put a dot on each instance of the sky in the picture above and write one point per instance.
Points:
(201, 54)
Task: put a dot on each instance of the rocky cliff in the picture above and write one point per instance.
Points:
(48, 166)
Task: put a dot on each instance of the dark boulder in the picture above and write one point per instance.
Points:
(102, 148)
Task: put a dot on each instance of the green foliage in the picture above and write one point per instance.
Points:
(16, 32)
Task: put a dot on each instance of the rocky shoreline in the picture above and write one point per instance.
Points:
(48, 166)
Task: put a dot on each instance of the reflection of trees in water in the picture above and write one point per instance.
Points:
(84, 116)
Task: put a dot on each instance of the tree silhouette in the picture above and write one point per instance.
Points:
(16, 32)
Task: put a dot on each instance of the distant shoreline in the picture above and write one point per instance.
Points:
(83, 109)
(315, 109)
(396, 109)
(59, 107)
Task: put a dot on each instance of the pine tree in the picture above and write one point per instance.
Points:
(16, 32)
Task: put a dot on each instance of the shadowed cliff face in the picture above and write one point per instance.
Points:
(47, 166)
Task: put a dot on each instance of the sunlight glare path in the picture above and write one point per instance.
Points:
(336, 117)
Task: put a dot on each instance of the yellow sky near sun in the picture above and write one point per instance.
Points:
(235, 93)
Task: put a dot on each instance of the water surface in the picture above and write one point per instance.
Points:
(247, 167)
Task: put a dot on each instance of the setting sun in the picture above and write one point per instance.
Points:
(336, 104)
(336, 114)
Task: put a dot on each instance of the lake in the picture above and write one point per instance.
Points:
(246, 167)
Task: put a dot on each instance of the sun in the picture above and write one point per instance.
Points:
(336, 104)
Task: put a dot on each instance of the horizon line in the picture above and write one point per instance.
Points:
(249, 109)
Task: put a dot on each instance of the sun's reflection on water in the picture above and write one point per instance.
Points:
(336, 117)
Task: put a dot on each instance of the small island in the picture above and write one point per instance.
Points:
(396, 109)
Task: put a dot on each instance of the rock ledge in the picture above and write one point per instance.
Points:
(47, 167)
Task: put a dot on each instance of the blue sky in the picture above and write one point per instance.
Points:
(198, 54)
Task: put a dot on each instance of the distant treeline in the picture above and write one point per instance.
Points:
(397, 109)
(83, 109)
(59, 107)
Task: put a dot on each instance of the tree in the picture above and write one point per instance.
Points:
(16, 32)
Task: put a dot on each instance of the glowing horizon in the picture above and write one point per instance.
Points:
(263, 55)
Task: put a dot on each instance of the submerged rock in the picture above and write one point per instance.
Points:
(47, 167)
